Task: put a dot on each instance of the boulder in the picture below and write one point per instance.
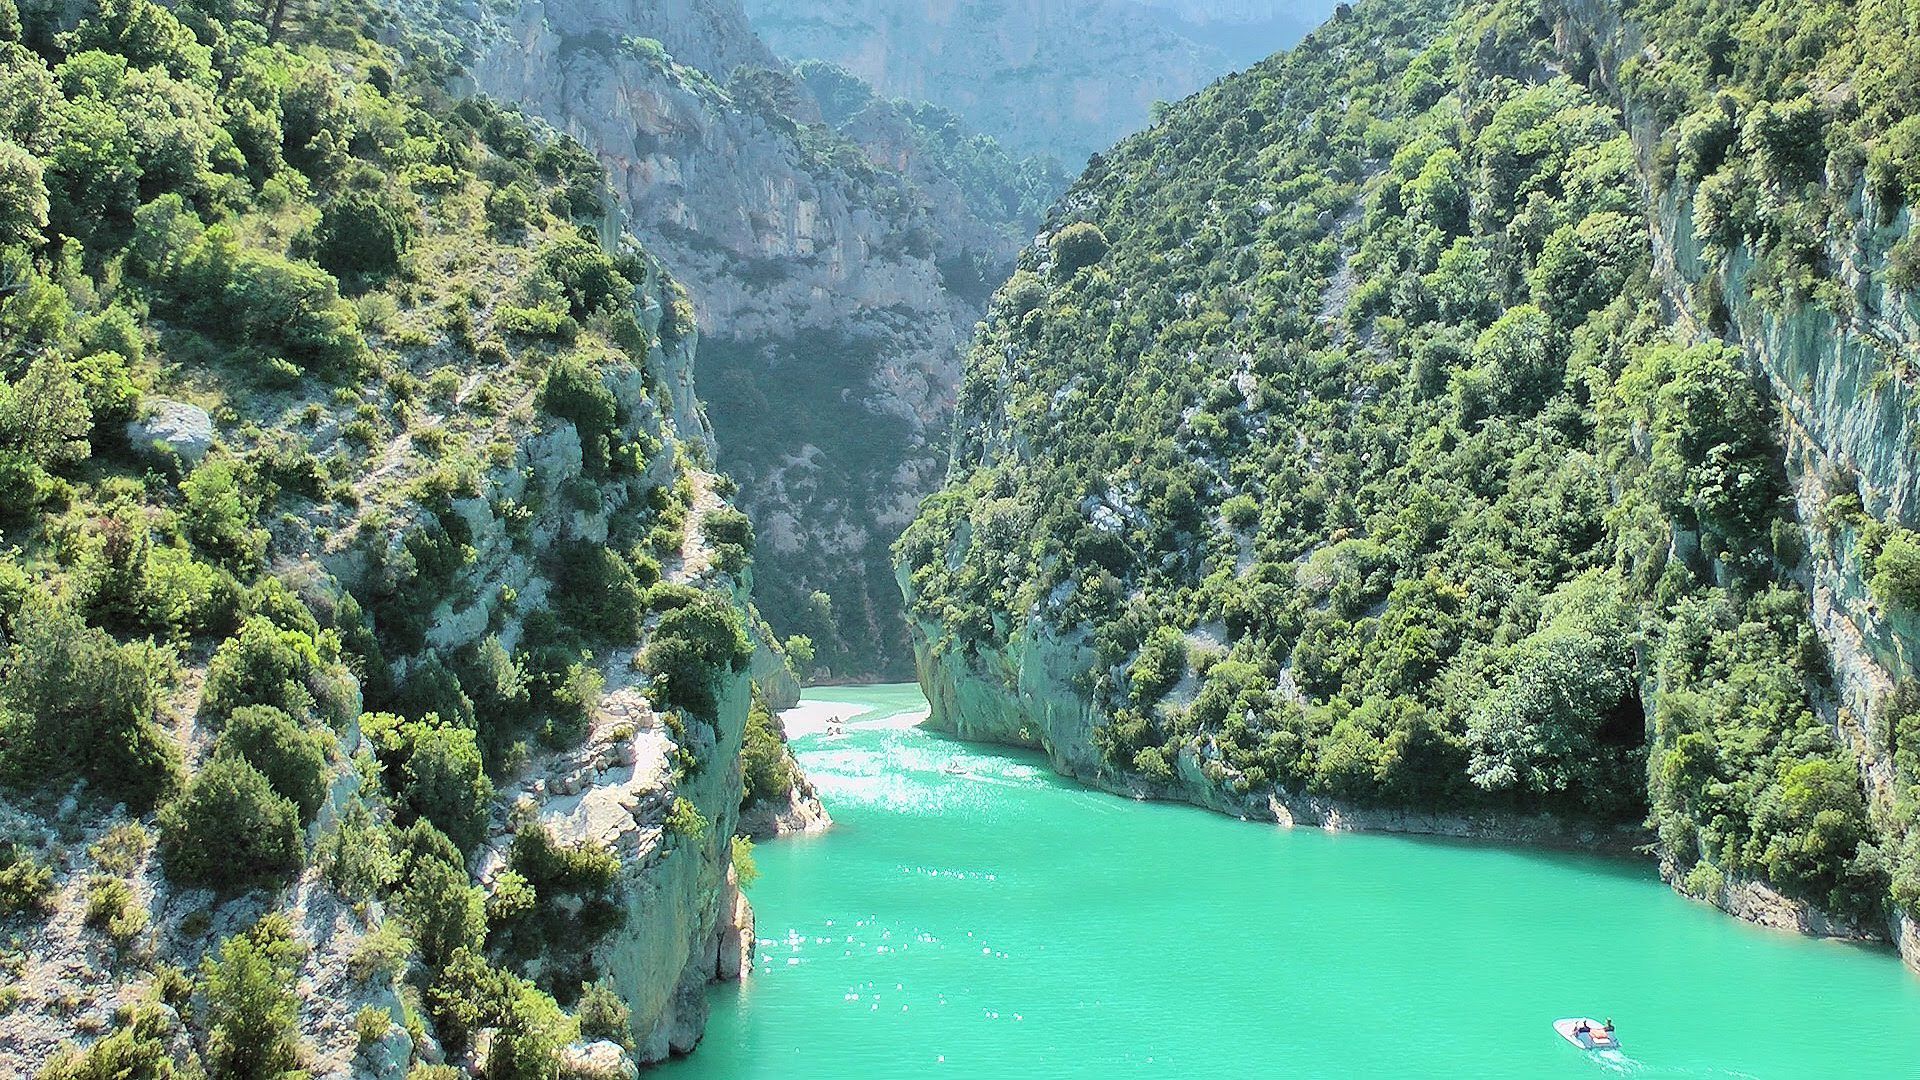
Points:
(601, 1060)
(167, 425)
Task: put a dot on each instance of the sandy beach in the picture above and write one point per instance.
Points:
(812, 717)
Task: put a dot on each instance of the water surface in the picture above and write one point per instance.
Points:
(1001, 922)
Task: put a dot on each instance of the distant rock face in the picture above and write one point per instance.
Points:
(831, 289)
(1063, 77)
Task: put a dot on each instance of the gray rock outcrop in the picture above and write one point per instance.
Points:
(172, 426)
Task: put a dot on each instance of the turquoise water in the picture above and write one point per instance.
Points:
(1005, 923)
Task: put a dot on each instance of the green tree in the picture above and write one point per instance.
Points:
(264, 664)
(363, 232)
(23, 196)
(230, 830)
(441, 908)
(446, 784)
(1078, 246)
(1896, 570)
(250, 1013)
(294, 761)
(74, 700)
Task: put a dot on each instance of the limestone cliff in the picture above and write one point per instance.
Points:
(834, 278)
(1849, 419)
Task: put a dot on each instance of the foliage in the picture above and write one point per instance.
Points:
(691, 649)
(443, 911)
(75, 701)
(265, 664)
(766, 768)
(1896, 570)
(294, 761)
(26, 881)
(363, 231)
(1489, 533)
(250, 1014)
(139, 1048)
(230, 830)
(602, 1015)
(445, 782)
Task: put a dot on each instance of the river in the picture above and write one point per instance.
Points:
(1001, 922)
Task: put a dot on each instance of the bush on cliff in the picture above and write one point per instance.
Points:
(73, 701)
(230, 830)
(692, 648)
(293, 760)
(1896, 570)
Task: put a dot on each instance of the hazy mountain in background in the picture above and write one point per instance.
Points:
(1063, 77)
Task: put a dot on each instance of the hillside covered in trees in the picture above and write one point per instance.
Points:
(1488, 411)
(375, 640)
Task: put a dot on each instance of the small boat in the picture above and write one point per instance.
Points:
(1587, 1033)
(954, 768)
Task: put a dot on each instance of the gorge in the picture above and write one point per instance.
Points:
(440, 438)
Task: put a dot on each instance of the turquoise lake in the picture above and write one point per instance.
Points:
(1002, 922)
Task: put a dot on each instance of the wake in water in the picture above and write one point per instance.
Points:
(1620, 1063)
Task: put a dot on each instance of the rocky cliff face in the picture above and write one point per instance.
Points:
(1849, 421)
(1061, 77)
(834, 278)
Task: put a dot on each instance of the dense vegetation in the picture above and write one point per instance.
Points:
(391, 312)
(1341, 417)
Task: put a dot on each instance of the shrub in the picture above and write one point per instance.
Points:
(539, 321)
(371, 1024)
(293, 761)
(1162, 663)
(510, 208)
(529, 1029)
(139, 1049)
(249, 1012)
(1896, 570)
(1078, 246)
(1240, 511)
(599, 594)
(120, 851)
(230, 830)
(264, 665)
(440, 907)
(111, 908)
(26, 882)
(363, 232)
(586, 274)
(731, 534)
(573, 391)
(74, 700)
(766, 769)
(692, 646)
(686, 821)
(446, 784)
(602, 1015)
(745, 870)
(220, 512)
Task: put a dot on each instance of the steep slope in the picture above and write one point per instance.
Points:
(1066, 78)
(377, 646)
(835, 278)
(1338, 455)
